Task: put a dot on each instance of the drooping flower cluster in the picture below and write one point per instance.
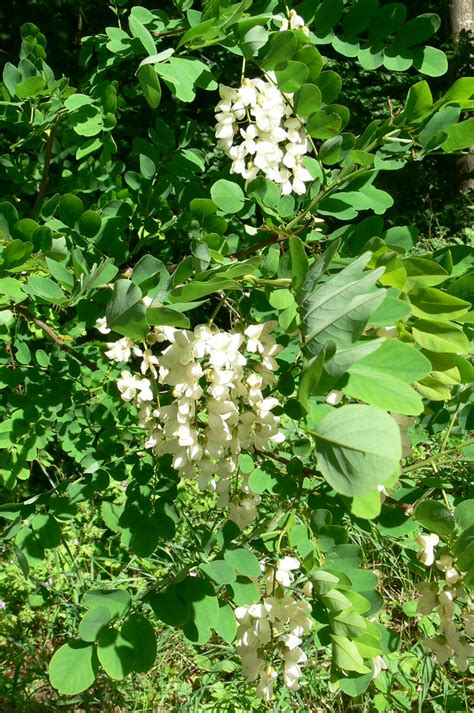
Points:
(256, 127)
(202, 401)
(269, 633)
(442, 597)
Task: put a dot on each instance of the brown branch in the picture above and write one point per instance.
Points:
(49, 331)
(47, 162)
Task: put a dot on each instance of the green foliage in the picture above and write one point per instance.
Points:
(116, 202)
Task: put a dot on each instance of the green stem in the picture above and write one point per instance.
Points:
(322, 194)
(436, 457)
(281, 282)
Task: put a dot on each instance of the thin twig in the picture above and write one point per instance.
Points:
(49, 331)
(47, 162)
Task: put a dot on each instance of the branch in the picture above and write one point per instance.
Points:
(49, 331)
(47, 162)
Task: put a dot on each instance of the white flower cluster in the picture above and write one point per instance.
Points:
(256, 127)
(440, 597)
(274, 628)
(209, 403)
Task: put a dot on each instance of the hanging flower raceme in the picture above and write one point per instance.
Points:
(202, 401)
(256, 128)
(270, 632)
(450, 600)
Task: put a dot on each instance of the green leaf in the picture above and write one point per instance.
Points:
(220, 571)
(243, 561)
(203, 606)
(338, 309)
(299, 262)
(138, 30)
(150, 85)
(359, 16)
(157, 314)
(11, 290)
(429, 303)
(430, 60)
(367, 506)
(388, 19)
(70, 209)
(30, 87)
(381, 378)
(244, 591)
(323, 125)
(126, 311)
(73, 667)
(183, 75)
(435, 517)
(116, 601)
(348, 623)
(347, 45)
(464, 549)
(419, 100)
(8, 219)
(93, 622)
(371, 56)
(169, 607)
(390, 311)
(138, 631)
(330, 85)
(225, 624)
(464, 514)
(228, 196)
(312, 59)
(46, 289)
(47, 530)
(397, 59)
(202, 208)
(418, 30)
(196, 290)
(358, 448)
(115, 653)
(89, 223)
(460, 136)
(281, 47)
(307, 100)
(327, 15)
(423, 273)
(149, 272)
(346, 655)
(440, 337)
(292, 76)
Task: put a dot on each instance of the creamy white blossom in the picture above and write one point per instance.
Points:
(257, 129)
(274, 628)
(210, 403)
(427, 544)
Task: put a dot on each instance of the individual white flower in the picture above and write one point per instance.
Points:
(265, 687)
(428, 544)
(292, 671)
(101, 325)
(294, 22)
(445, 564)
(379, 666)
(284, 572)
(122, 350)
(334, 397)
